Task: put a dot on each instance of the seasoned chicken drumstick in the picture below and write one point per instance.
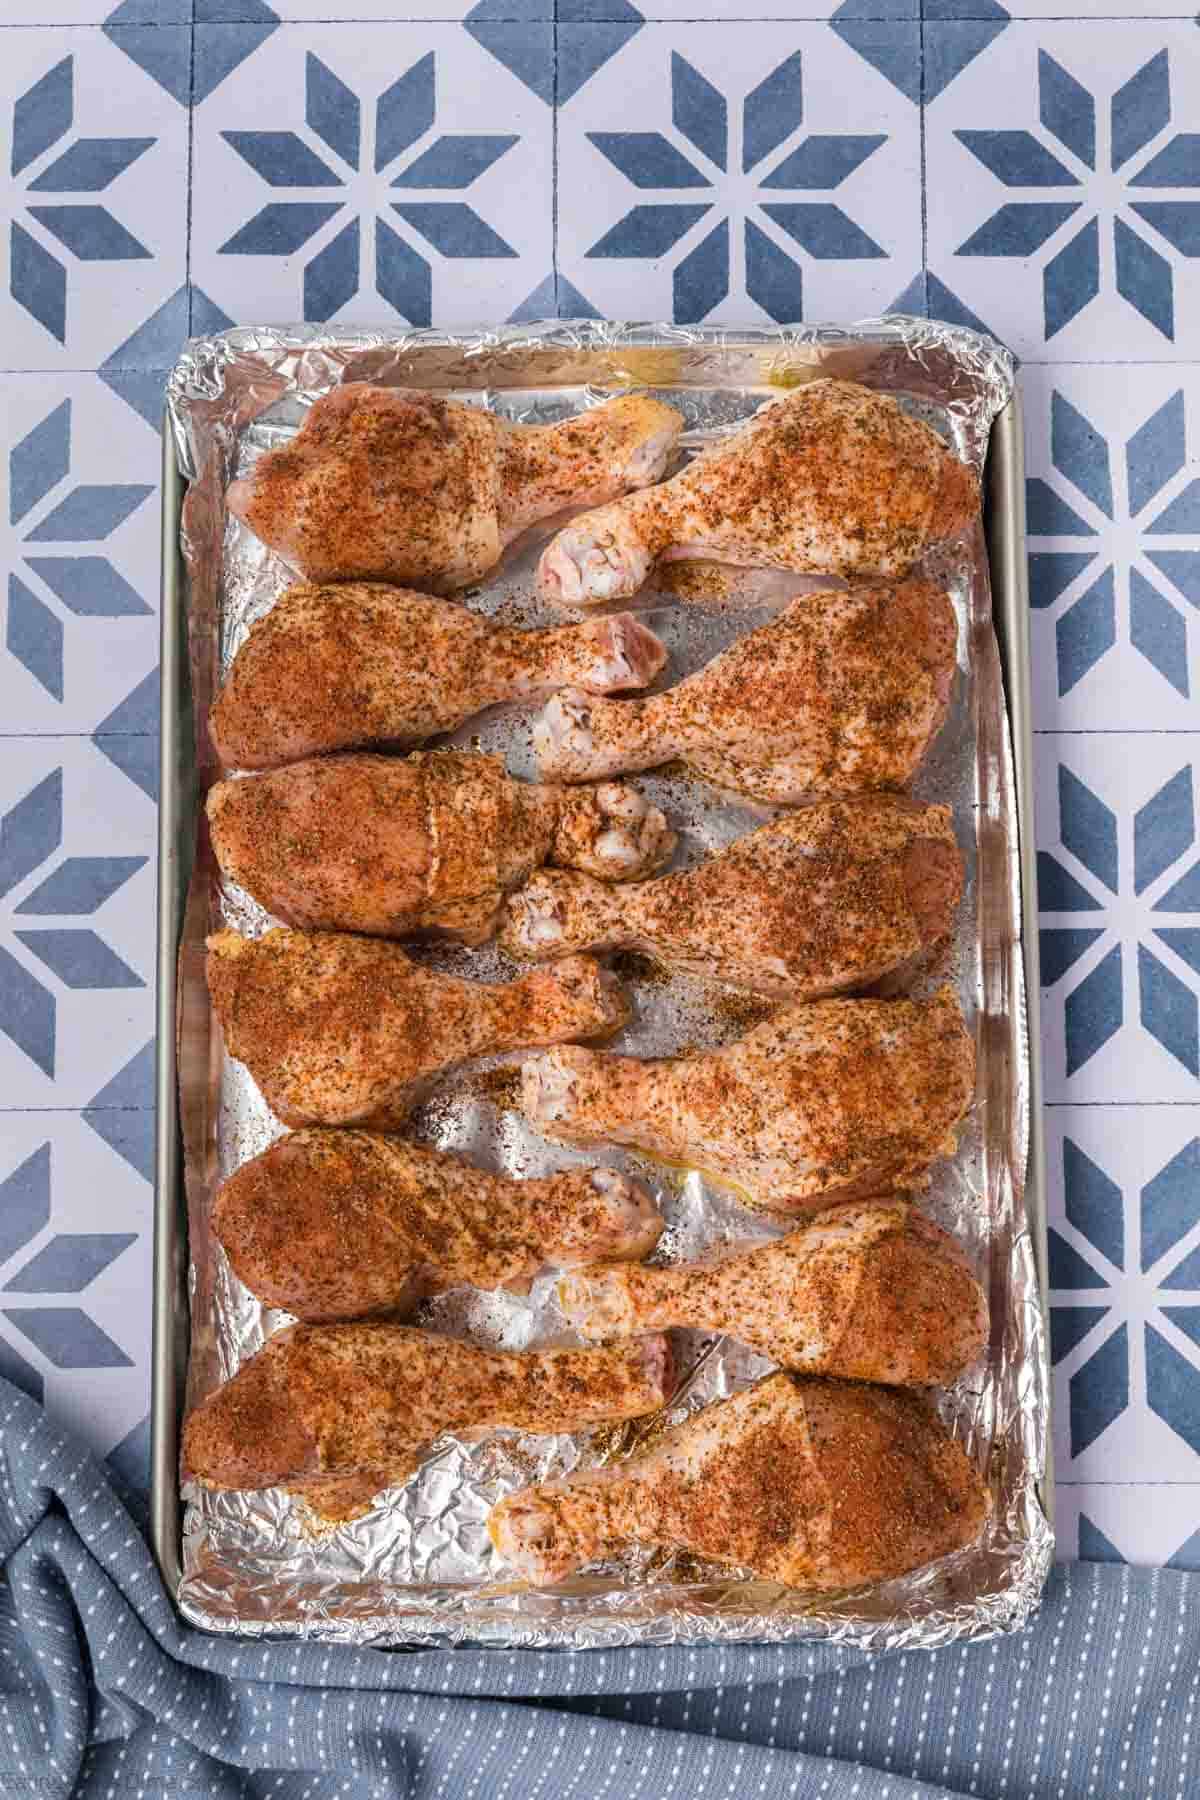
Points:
(834, 1099)
(429, 842)
(872, 1291)
(381, 485)
(338, 1224)
(337, 1412)
(840, 693)
(831, 897)
(831, 480)
(815, 1484)
(329, 668)
(348, 1031)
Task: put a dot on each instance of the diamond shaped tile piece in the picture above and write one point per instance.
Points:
(1173, 1386)
(39, 461)
(43, 114)
(1094, 1546)
(582, 52)
(34, 636)
(1100, 1391)
(22, 1374)
(81, 884)
(164, 52)
(80, 959)
(895, 53)
(1170, 1203)
(70, 1262)
(1069, 1325)
(24, 1202)
(67, 1337)
(220, 49)
(31, 830)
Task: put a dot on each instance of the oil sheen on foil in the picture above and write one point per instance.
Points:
(419, 1567)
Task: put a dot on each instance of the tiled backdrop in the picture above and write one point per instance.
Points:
(179, 164)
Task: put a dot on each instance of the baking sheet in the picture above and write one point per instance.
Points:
(419, 1567)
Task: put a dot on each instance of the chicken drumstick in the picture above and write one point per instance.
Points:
(828, 898)
(428, 842)
(840, 693)
(382, 485)
(873, 1291)
(337, 1224)
(329, 668)
(831, 480)
(834, 1099)
(348, 1031)
(815, 1484)
(337, 1412)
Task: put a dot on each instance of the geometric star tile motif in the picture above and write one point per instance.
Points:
(1114, 563)
(79, 520)
(1125, 1291)
(95, 144)
(360, 174)
(1068, 188)
(1119, 905)
(76, 955)
(75, 1256)
(743, 193)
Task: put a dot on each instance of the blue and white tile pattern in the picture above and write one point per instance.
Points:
(176, 165)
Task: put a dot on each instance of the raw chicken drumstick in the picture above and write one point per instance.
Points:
(831, 897)
(834, 1099)
(429, 842)
(841, 692)
(832, 480)
(329, 668)
(337, 1412)
(872, 1291)
(815, 1484)
(337, 1224)
(348, 1031)
(381, 485)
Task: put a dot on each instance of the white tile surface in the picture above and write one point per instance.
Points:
(999, 92)
(92, 1191)
(105, 294)
(1120, 777)
(632, 93)
(1123, 689)
(1130, 1240)
(106, 653)
(475, 97)
(97, 1029)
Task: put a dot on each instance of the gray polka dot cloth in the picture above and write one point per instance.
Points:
(104, 1695)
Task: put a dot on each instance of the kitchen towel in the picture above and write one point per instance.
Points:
(103, 1694)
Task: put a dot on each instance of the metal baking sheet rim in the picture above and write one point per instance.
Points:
(1005, 537)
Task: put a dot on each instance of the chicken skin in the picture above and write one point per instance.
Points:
(830, 480)
(837, 1099)
(330, 668)
(814, 1484)
(829, 898)
(339, 1224)
(872, 1291)
(348, 1031)
(383, 485)
(425, 843)
(337, 1412)
(842, 692)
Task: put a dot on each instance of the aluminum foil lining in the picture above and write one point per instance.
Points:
(419, 1568)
